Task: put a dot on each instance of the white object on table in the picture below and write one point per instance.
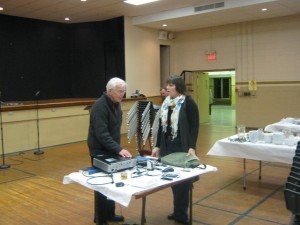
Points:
(289, 123)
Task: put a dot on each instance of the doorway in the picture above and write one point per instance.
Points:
(164, 64)
(221, 96)
(222, 90)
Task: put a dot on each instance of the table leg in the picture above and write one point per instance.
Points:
(244, 175)
(259, 177)
(143, 218)
(191, 204)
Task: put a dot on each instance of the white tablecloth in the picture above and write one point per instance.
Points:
(256, 151)
(123, 195)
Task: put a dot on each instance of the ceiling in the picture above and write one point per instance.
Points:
(179, 15)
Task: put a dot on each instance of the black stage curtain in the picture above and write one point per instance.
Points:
(59, 60)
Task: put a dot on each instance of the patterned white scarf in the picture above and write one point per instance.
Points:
(174, 103)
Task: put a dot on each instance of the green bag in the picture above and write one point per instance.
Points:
(180, 159)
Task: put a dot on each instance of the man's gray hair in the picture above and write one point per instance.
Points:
(113, 82)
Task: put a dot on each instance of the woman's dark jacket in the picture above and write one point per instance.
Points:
(188, 128)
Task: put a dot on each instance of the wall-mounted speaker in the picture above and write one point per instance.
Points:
(163, 35)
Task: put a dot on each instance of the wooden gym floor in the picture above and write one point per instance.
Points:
(32, 193)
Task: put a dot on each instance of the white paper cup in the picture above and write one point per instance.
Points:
(278, 138)
(268, 137)
(253, 136)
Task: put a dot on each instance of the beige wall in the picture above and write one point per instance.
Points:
(57, 126)
(266, 51)
(271, 104)
(142, 59)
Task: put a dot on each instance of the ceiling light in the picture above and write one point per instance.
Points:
(139, 2)
(264, 9)
(1, 8)
(67, 18)
(164, 25)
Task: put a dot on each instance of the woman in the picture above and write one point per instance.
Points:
(178, 132)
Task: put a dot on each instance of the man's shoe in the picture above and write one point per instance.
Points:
(185, 222)
(102, 223)
(117, 218)
(171, 216)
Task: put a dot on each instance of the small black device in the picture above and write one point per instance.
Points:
(119, 184)
(168, 169)
(166, 178)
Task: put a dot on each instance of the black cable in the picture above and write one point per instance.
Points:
(93, 177)
(40, 158)
(16, 160)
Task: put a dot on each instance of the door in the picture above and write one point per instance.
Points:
(222, 90)
(201, 95)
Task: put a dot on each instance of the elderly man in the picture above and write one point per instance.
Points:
(104, 137)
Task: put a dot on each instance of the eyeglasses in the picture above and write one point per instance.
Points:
(121, 91)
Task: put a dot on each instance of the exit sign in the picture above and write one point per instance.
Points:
(211, 56)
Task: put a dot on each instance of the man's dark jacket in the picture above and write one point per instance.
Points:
(105, 127)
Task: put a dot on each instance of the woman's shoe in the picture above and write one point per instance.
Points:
(171, 216)
(116, 218)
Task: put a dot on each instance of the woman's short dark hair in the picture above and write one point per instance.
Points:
(178, 82)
